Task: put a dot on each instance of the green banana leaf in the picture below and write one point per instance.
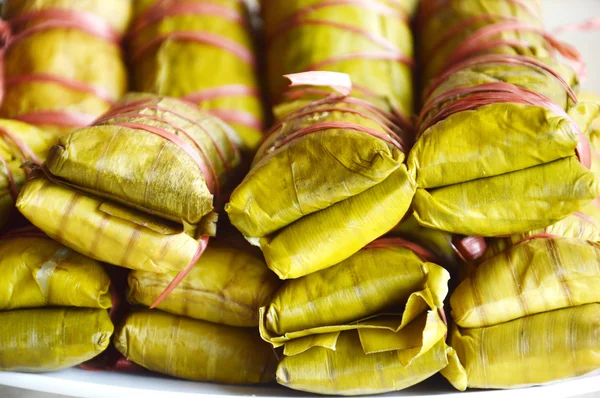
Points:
(584, 225)
(33, 140)
(536, 349)
(106, 231)
(119, 160)
(304, 35)
(443, 27)
(388, 294)
(194, 349)
(80, 58)
(226, 286)
(44, 340)
(451, 151)
(38, 272)
(180, 67)
(497, 206)
(437, 242)
(351, 181)
(538, 275)
(349, 371)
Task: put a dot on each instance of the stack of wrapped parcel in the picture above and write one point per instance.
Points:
(19, 143)
(201, 51)
(63, 65)
(138, 188)
(369, 40)
(208, 330)
(528, 316)
(378, 312)
(53, 304)
(502, 146)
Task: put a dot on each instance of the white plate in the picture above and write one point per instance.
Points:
(80, 383)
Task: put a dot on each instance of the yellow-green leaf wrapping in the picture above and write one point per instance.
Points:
(43, 340)
(489, 142)
(179, 67)
(143, 169)
(67, 53)
(532, 277)
(584, 225)
(436, 241)
(226, 286)
(112, 234)
(440, 36)
(36, 140)
(536, 349)
(296, 45)
(497, 206)
(371, 282)
(305, 246)
(194, 349)
(349, 371)
(38, 272)
(352, 181)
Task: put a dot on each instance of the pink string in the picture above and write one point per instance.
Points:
(134, 109)
(374, 38)
(55, 18)
(70, 19)
(166, 9)
(233, 116)
(479, 41)
(337, 125)
(501, 59)
(419, 250)
(585, 26)
(63, 81)
(500, 92)
(296, 18)
(537, 236)
(391, 120)
(174, 138)
(370, 55)
(58, 118)
(458, 29)
(232, 90)
(242, 53)
(431, 7)
(202, 245)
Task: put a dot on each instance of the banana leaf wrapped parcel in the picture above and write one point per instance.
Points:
(139, 187)
(39, 272)
(63, 64)
(386, 300)
(194, 349)
(450, 31)
(328, 179)
(347, 370)
(537, 275)
(583, 224)
(203, 52)
(536, 349)
(19, 143)
(498, 130)
(48, 339)
(369, 40)
(227, 286)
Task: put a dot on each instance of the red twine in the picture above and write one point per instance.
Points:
(202, 245)
(419, 250)
(56, 18)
